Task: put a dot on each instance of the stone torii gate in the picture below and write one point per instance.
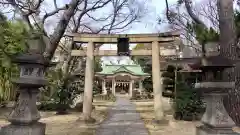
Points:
(156, 40)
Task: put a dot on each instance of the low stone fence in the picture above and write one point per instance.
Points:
(136, 95)
(166, 102)
(109, 97)
(142, 100)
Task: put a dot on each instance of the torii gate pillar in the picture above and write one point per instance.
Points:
(157, 82)
(88, 86)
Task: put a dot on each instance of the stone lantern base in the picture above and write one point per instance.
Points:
(34, 129)
(215, 120)
(206, 130)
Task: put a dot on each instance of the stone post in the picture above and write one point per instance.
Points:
(88, 86)
(104, 90)
(113, 87)
(157, 84)
(131, 88)
(24, 118)
(140, 85)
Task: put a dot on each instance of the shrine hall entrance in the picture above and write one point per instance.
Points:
(122, 88)
(122, 84)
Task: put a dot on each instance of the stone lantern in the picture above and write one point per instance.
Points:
(215, 120)
(24, 117)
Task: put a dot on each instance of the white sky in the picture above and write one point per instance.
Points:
(147, 25)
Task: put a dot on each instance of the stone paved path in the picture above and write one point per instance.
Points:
(123, 119)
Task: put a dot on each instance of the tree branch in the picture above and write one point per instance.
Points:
(191, 13)
(168, 12)
(60, 29)
(53, 13)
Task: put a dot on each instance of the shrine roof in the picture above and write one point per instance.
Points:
(114, 69)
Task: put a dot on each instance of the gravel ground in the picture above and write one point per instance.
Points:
(67, 124)
(173, 128)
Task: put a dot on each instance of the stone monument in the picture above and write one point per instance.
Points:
(216, 120)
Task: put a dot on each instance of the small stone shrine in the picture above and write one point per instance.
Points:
(24, 118)
(216, 120)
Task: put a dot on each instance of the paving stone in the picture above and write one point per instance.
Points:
(123, 119)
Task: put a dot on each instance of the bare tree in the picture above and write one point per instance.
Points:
(77, 16)
(229, 49)
(75, 12)
(220, 15)
(117, 21)
(180, 18)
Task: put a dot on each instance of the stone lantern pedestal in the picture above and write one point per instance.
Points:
(24, 117)
(216, 120)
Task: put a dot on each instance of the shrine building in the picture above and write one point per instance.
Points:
(122, 79)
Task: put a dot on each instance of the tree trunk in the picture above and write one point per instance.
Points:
(228, 48)
(60, 29)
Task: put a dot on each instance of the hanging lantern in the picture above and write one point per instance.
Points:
(123, 47)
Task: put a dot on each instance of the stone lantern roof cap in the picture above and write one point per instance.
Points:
(213, 62)
(29, 58)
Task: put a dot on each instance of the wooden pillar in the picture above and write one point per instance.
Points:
(140, 85)
(113, 86)
(104, 90)
(131, 88)
(88, 86)
(157, 81)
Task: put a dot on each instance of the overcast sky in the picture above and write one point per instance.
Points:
(149, 24)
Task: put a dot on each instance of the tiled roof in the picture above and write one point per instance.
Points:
(131, 69)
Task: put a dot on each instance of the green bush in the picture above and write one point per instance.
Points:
(13, 39)
(59, 94)
(59, 102)
(187, 104)
(47, 106)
